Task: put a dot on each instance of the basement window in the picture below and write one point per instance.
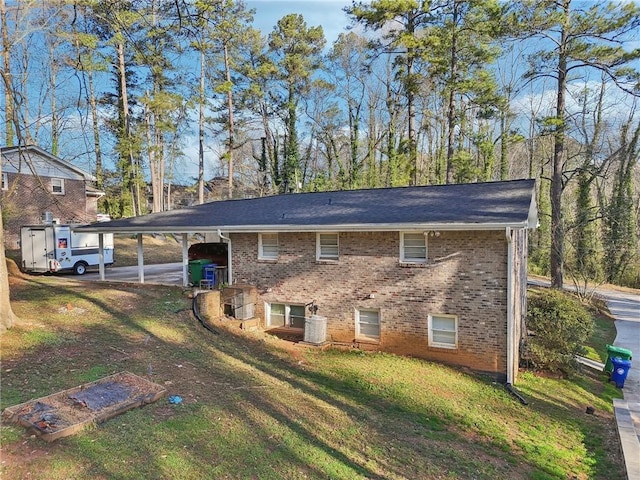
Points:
(368, 324)
(284, 315)
(443, 331)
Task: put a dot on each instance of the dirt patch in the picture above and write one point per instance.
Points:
(67, 412)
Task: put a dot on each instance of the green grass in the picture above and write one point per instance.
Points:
(603, 335)
(255, 408)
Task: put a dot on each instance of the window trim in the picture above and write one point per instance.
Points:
(53, 186)
(362, 337)
(287, 314)
(404, 258)
(433, 343)
(5, 181)
(324, 257)
(261, 253)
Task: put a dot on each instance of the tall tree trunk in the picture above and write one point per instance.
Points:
(230, 113)
(411, 107)
(8, 91)
(557, 227)
(95, 121)
(201, 129)
(504, 140)
(451, 114)
(55, 120)
(7, 317)
(130, 170)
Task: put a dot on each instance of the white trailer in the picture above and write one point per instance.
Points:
(54, 248)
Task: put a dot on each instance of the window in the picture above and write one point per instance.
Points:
(283, 315)
(443, 331)
(368, 324)
(413, 247)
(268, 246)
(5, 181)
(327, 246)
(57, 186)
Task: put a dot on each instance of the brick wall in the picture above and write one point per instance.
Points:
(466, 275)
(28, 197)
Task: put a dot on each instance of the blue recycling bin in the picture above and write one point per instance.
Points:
(620, 371)
(209, 273)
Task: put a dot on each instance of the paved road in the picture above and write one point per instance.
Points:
(625, 307)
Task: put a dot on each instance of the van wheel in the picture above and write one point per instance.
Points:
(80, 268)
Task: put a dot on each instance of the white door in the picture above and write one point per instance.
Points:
(37, 248)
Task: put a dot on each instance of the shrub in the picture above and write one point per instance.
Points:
(559, 326)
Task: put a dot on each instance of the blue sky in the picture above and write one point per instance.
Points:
(327, 13)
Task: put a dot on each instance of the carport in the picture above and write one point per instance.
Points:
(136, 226)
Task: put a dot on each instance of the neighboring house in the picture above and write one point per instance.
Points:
(34, 182)
(436, 272)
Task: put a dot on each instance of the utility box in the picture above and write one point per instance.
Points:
(54, 248)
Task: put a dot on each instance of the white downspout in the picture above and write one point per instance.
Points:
(229, 257)
(185, 260)
(140, 260)
(510, 349)
(101, 255)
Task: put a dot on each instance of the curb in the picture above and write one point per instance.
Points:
(626, 412)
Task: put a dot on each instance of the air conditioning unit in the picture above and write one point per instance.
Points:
(315, 329)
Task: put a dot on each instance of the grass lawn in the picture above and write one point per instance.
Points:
(256, 407)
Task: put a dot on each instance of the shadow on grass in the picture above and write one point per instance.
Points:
(249, 412)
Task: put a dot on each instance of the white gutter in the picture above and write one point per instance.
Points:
(362, 227)
(229, 258)
(510, 289)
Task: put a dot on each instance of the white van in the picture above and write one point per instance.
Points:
(54, 248)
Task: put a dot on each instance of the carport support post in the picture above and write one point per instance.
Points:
(185, 261)
(140, 260)
(101, 255)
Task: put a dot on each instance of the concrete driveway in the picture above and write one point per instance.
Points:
(161, 274)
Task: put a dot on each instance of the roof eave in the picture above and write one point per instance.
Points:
(105, 228)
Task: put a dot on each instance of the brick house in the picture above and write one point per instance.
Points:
(34, 182)
(436, 272)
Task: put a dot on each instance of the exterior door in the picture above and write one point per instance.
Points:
(296, 316)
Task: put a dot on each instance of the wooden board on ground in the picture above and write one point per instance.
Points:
(69, 411)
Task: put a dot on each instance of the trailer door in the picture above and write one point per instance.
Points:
(37, 248)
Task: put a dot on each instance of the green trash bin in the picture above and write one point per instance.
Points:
(195, 270)
(619, 352)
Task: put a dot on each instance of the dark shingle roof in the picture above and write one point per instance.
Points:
(460, 206)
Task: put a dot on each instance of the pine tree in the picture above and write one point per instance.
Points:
(589, 37)
(296, 54)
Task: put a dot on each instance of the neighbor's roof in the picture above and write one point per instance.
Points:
(8, 153)
(481, 206)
